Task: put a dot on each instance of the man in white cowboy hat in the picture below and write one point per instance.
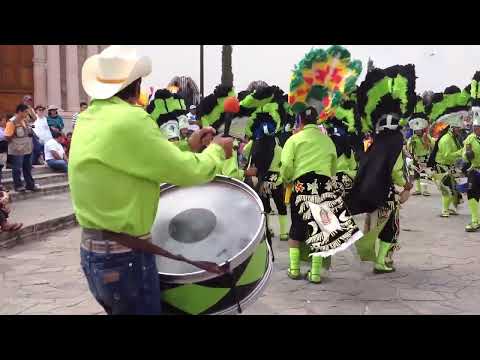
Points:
(471, 153)
(118, 159)
(419, 146)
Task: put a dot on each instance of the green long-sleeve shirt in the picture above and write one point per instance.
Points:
(398, 172)
(417, 147)
(474, 141)
(231, 169)
(306, 151)
(118, 159)
(449, 150)
(347, 165)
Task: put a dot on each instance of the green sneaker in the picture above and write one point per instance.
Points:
(380, 264)
(453, 212)
(415, 193)
(314, 279)
(426, 193)
(314, 274)
(445, 214)
(294, 274)
(472, 227)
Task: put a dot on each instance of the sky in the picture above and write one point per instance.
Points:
(437, 66)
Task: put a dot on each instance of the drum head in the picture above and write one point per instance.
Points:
(219, 221)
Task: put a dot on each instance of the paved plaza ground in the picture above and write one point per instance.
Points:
(438, 272)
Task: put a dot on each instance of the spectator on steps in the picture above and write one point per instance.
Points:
(83, 107)
(55, 121)
(19, 135)
(55, 154)
(3, 146)
(43, 134)
(4, 213)
(31, 116)
(67, 143)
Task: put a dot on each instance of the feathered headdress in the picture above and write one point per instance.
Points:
(210, 110)
(321, 79)
(449, 107)
(266, 106)
(385, 97)
(166, 106)
(345, 117)
(474, 89)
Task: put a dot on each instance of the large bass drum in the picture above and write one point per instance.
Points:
(219, 222)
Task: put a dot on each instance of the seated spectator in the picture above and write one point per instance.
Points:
(83, 107)
(55, 154)
(68, 141)
(3, 145)
(5, 212)
(42, 135)
(55, 121)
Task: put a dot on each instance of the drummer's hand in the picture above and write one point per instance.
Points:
(251, 171)
(195, 140)
(207, 139)
(226, 143)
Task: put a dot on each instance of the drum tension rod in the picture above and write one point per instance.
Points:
(233, 287)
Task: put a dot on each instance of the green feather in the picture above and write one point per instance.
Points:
(399, 91)
(374, 95)
(474, 89)
(420, 107)
(250, 102)
(347, 117)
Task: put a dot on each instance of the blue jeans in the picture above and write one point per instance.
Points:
(58, 165)
(22, 164)
(124, 284)
(37, 150)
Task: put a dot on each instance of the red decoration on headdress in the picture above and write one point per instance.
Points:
(231, 105)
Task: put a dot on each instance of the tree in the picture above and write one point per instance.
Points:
(227, 72)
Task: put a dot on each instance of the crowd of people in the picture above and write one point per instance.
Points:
(330, 150)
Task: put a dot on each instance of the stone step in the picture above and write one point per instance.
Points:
(37, 170)
(40, 179)
(39, 216)
(50, 189)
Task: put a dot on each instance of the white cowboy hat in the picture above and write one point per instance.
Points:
(116, 67)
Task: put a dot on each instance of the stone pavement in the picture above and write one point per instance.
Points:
(438, 272)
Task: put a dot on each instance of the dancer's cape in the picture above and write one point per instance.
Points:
(383, 99)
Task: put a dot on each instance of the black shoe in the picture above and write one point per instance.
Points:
(20, 189)
(34, 189)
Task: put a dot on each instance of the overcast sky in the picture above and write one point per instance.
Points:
(437, 66)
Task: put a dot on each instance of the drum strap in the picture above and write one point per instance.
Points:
(269, 236)
(233, 286)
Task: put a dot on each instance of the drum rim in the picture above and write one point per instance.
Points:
(238, 259)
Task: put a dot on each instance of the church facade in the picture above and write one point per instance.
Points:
(51, 73)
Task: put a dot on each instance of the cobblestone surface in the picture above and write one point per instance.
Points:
(438, 272)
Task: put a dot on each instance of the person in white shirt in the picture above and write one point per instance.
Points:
(55, 154)
(42, 134)
(192, 119)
